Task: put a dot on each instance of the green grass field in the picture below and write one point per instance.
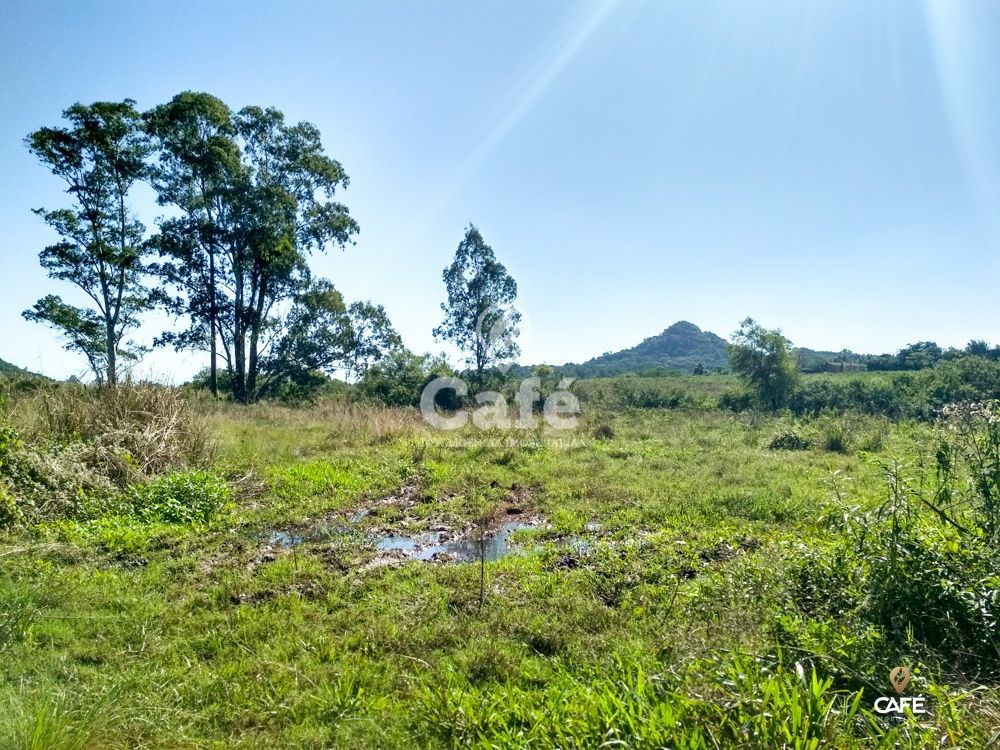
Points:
(656, 594)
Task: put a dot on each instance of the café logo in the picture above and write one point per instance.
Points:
(899, 678)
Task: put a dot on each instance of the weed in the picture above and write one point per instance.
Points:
(183, 497)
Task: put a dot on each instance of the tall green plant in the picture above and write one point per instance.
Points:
(257, 198)
(479, 315)
(100, 156)
(764, 360)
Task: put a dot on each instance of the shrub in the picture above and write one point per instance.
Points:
(604, 432)
(131, 432)
(735, 401)
(399, 379)
(788, 441)
(77, 449)
(941, 591)
(48, 482)
(182, 497)
(920, 566)
(836, 437)
(10, 513)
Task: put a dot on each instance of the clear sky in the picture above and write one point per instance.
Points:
(829, 167)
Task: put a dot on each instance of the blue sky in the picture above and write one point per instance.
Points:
(832, 168)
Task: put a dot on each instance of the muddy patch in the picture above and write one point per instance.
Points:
(440, 544)
(724, 551)
(442, 539)
(437, 546)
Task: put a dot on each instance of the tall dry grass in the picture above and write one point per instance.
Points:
(131, 432)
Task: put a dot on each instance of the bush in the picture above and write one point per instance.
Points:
(788, 441)
(941, 591)
(921, 565)
(836, 436)
(77, 449)
(735, 401)
(604, 432)
(903, 395)
(132, 431)
(55, 481)
(399, 379)
(182, 497)
(10, 513)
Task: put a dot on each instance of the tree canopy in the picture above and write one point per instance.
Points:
(100, 156)
(764, 360)
(256, 197)
(479, 315)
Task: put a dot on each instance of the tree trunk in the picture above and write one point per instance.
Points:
(112, 353)
(255, 326)
(240, 379)
(213, 323)
(239, 337)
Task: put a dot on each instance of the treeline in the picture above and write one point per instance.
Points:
(897, 395)
(764, 361)
(248, 198)
(926, 354)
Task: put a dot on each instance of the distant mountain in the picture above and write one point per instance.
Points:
(6, 368)
(682, 346)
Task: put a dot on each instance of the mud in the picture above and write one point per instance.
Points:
(436, 542)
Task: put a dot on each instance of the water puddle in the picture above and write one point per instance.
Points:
(318, 534)
(436, 544)
(426, 546)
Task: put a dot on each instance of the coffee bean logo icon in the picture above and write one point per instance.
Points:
(900, 678)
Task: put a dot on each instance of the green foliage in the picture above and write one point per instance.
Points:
(835, 436)
(399, 378)
(182, 497)
(904, 395)
(669, 391)
(49, 717)
(80, 448)
(256, 198)
(323, 335)
(788, 441)
(920, 565)
(917, 356)
(604, 432)
(763, 359)
(973, 441)
(479, 314)
(58, 480)
(100, 156)
(10, 513)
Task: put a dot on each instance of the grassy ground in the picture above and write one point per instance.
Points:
(652, 604)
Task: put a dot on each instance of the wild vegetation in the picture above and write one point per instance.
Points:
(284, 553)
(180, 572)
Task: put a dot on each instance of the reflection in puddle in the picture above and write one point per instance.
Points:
(319, 533)
(428, 546)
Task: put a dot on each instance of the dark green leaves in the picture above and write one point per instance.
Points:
(100, 154)
(479, 314)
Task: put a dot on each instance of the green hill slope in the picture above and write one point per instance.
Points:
(6, 368)
(682, 346)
